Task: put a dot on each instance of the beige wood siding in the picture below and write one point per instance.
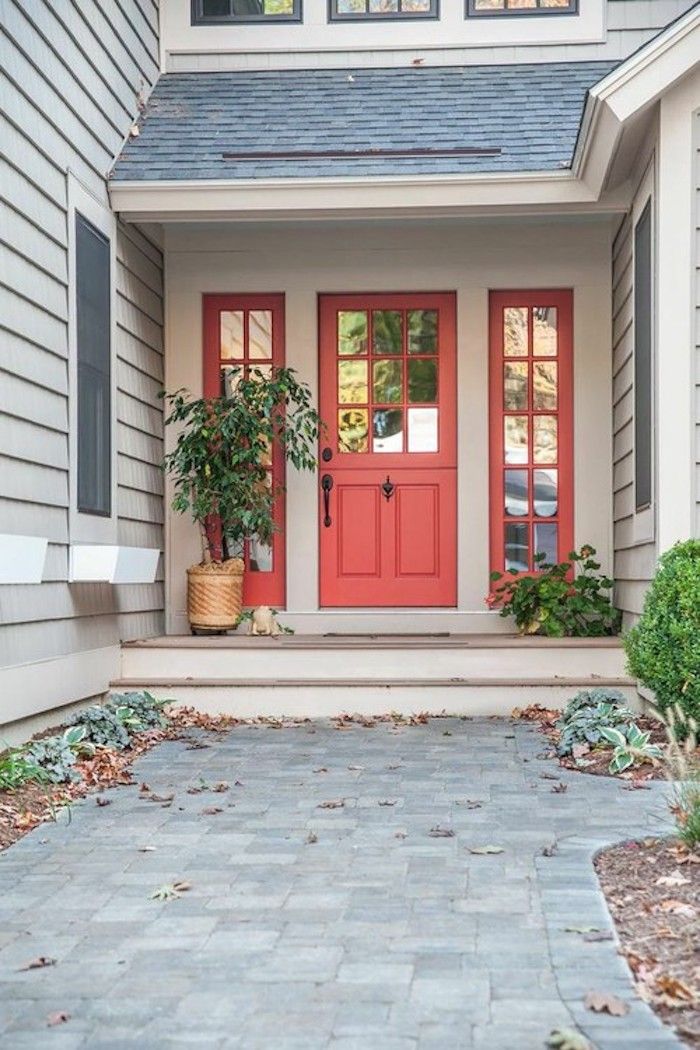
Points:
(71, 77)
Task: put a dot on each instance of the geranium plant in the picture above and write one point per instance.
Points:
(222, 454)
(569, 599)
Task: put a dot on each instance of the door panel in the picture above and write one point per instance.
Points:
(388, 397)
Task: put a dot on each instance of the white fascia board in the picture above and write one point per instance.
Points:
(106, 563)
(252, 199)
(22, 558)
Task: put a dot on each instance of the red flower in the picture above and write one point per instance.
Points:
(491, 600)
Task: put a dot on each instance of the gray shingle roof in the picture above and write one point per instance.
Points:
(531, 113)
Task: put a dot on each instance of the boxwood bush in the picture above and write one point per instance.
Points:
(663, 649)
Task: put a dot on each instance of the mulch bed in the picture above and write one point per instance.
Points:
(653, 892)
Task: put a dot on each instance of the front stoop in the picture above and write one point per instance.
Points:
(312, 676)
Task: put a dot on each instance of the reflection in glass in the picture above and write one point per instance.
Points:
(515, 331)
(516, 500)
(260, 335)
(545, 494)
(544, 439)
(352, 332)
(517, 552)
(387, 332)
(544, 385)
(422, 380)
(387, 381)
(515, 385)
(544, 331)
(515, 438)
(259, 556)
(352, 383)
(387, 430)
(231, 334)
(230, 378)
(546, 541)
(257, 371)
(422, 331)
(352, 430)
(422, 430)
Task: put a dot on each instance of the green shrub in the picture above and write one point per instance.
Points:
(567, 600)
(663, 649)
(57, 754)
(17, 768)
(587, 725)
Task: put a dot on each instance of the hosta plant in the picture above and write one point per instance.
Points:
(587, 725)
(632, 746)
(57, 755)
(586, 698)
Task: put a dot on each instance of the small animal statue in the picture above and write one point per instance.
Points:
(262, 621)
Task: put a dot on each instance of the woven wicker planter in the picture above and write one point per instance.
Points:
(215, 595)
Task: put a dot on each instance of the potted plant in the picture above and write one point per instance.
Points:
(220, 467)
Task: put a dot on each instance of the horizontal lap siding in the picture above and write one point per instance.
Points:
(71, 76)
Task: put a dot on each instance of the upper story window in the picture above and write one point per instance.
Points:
(213, 12)
(522, 7)
(342, 10)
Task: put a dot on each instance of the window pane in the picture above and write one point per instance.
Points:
(515, 331)
(515, 5)
(387, 430)
(422, 331)
(546, 541)
(387, 332)
(545, 496)
(422, 430)
(515, 385)
(351, 7)
(515, 438)
(517, 551)
(230, 378)
(352, 332)
(352, 430)
(352, 383)
(231, 334)
(544, 385)
(383, 7)
(544, 331)
(260, 335)
(642, 360)
(259, 556)
(489, 5)
(246, 8)
(544, 438)
(387, 381)
(422, 380)
(516, 499)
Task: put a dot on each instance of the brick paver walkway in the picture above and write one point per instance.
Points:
(375, 935)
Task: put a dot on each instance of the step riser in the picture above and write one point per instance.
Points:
(328, 700)
(324, 664)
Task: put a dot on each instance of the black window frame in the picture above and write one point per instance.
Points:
(643, 341)
(93, 349)
(520, 12)
(198, 18)
(378, 16)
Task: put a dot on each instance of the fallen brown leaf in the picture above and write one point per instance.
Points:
(605, 1003)
(676, 907)
(59, 1017)
(209, 811)
(39, 963)
(441, 833)
(334, 803)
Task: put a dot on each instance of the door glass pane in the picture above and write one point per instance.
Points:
(544, 385)
(516, 500)
(352, 383)
(352, 332)
(257, 371)
(259, 556)
(422, 430)
(422, 380)
(515, 385)
(545, 496)
(387, 430)
(230, 378)
(517, 553)
(387, 381)
(352, 430)
(422, 331)
(387, 332)
(260, 335)
(231, 334)
(544, 331)
(544, 438)
(515, 438)
(515, 331)
(546, 541)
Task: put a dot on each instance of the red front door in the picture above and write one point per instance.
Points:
(388, 467)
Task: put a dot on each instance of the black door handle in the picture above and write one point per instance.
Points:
(327, 485)
(388, 488)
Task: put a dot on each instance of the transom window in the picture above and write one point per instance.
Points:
(214, 11)
(349, 9)
(522, 7)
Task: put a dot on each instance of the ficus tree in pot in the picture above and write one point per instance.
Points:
(219, 466)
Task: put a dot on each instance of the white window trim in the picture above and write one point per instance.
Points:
(84, 527)
(644, 521)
